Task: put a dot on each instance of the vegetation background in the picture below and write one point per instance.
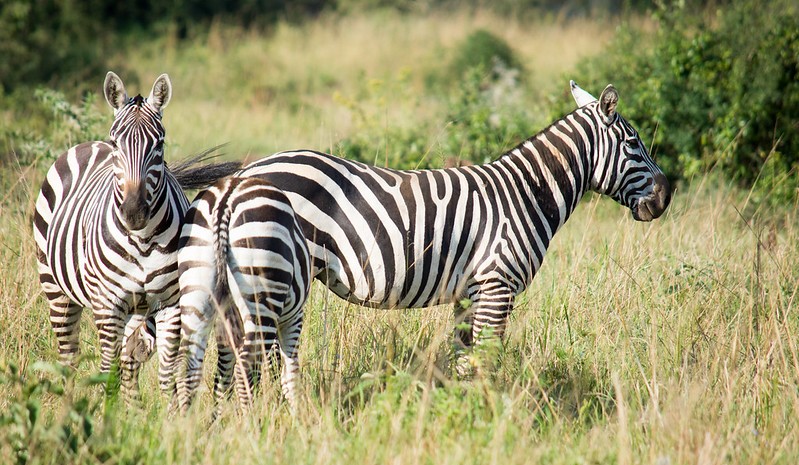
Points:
(669, 342)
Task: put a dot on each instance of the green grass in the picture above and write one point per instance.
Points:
(666, 343)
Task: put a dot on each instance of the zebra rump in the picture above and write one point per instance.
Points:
(243, 264)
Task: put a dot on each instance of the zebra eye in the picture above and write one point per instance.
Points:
(632, 144)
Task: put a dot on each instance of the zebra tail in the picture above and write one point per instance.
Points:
(221, 246)
(231, 319)
(193, 173)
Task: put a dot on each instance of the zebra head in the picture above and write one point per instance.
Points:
(137, 138)
(623, 168)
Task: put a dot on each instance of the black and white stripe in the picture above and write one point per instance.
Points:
(397, 239)
(106, 228)
(242, 252)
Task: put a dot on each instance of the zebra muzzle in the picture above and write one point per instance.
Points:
(134, 209)
(653, 206)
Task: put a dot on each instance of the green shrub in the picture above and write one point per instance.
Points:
(34, 434)
(53, 125)
(713, 92)
(487, 118)
(484, 51)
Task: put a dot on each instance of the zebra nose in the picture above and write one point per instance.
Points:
(134, 209)
(654, 205)
(662, 194)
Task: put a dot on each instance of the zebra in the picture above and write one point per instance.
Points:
(106, 228)
(475, 235)
(241, 251)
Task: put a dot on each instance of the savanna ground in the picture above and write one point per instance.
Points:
(667, 342)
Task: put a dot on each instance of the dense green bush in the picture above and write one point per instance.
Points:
(53, 125)
(483, 51)
(713, 91)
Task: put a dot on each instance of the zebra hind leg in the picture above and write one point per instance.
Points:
(167, 340)
(224, 371)
(289, 341)
(137, 345)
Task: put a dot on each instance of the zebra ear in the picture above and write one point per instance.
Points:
(161, 93)
(114, 91)
(607, 103)
(582, 97)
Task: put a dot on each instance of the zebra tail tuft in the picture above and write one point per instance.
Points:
(194, 173)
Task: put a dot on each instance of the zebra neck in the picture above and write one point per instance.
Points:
(552, 171)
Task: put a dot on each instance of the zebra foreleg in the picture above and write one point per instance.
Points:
(110, 328)
(488, 317)
(462, 340)
(65, 320)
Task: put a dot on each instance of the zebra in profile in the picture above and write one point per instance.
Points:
(241, 252)
(475, 234)
(106, 227)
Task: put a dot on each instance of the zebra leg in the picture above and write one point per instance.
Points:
(224, 369)
(195, 329)
(464, 323)
(490, 320)
(288, 335)
(65, 320)
(167, 338)
(138, 347)
(488, 315)
(245, 378)
(141, 344)
(110, 328)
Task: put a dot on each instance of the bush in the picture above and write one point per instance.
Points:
(714, 93)
(31, 434)
(53, 125)
(483, 51)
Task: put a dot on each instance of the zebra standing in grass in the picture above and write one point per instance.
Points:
(241, 251)
(398, 239)
(106, 227)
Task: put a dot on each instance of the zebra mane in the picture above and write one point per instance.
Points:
(193, 173)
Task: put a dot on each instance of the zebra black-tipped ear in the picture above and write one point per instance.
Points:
(161, 93)
(114, 91)
(582, 97)
(607, 103)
